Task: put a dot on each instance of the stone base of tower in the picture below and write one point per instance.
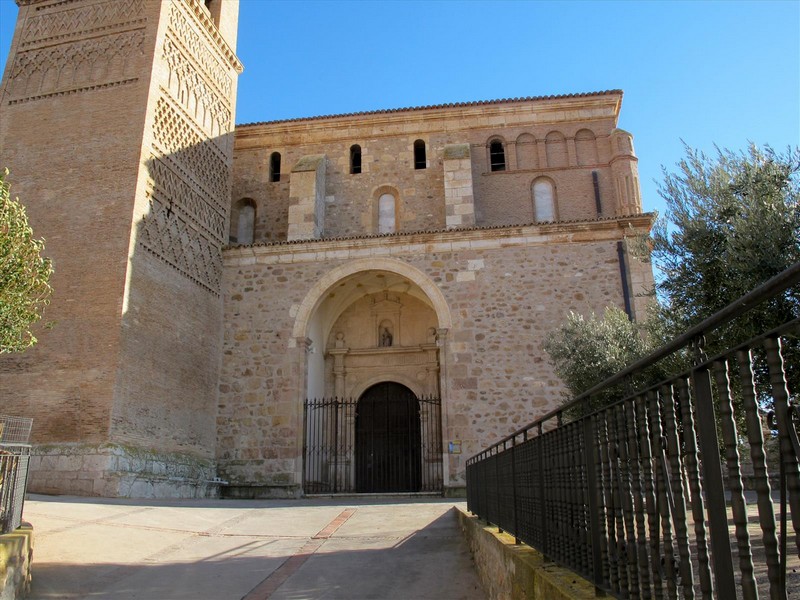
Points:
(116, 471)
(258, 491)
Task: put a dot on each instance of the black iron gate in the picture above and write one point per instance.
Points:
(386, 441)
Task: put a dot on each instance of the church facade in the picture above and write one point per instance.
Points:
(334, 304)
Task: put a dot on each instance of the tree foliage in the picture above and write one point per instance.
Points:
(24, 274)
(731, 223)
(585, 351)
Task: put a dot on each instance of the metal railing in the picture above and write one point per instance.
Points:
(14, 459)
(645, 497)
(392, 444)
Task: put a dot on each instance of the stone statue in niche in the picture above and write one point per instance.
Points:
(339, 340)
(385, 337)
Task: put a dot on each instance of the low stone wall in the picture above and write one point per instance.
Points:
(16, 551)
(518, 572)
(113, 470)
(257, 492)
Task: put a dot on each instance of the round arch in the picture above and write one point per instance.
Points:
(393, 378)
(318, 292)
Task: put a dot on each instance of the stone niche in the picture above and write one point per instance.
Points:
(383, 337)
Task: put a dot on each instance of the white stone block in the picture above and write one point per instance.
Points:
(465, 276)
(464, 209)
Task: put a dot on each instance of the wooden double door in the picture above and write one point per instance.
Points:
(388, 440)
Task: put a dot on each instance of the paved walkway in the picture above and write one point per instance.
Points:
(352, 548)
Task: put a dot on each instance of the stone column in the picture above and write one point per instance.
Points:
(541, 149)
(572, 152)
(511, 156)
(339, 372)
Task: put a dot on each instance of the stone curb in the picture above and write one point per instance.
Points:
(512, 571)
(16, 553)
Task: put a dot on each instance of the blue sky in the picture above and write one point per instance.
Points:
(708, 73)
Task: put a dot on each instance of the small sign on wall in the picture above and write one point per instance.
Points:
(455, 447)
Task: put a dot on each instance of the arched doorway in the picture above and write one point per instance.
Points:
(367, 323)
(388, 440)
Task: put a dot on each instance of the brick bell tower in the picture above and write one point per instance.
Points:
(116, 121)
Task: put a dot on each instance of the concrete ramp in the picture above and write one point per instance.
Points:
(352, 549)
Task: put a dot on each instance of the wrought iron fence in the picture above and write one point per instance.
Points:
(14, 459)
(389, 444)
(646, 496)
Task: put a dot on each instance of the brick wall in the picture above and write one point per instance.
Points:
(126, 176)
(563, 139)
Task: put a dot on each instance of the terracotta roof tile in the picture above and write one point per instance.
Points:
(434, 106)
(431, 231)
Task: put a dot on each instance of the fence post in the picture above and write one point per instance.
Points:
(542, 511)
(589, 450)
(786, 431)
(335, 445)
(722, 561)
(485, 487)
(514, 486)
(497, 483)
(305, 444)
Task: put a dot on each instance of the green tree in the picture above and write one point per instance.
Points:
(731, 223)
(24, 274)
(585, 351)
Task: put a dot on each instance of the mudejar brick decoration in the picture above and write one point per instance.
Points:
(201, 301)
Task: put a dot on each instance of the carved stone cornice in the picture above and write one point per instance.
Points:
(421, 242)
(205, 20)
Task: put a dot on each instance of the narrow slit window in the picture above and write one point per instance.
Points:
(420, 159)
(355, 159)
(497, 156)
(275, 167)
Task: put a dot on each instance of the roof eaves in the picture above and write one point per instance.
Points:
(434, 107)
(432, 231)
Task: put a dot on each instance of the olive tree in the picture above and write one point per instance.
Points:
(732, 221)
(24, 274)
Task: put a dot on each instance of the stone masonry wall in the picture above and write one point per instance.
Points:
(505, 289)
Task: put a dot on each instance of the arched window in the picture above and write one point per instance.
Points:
(497, 156)
(275, 166)
(386, 213)
(245, 225)
(556, 147)
(420, 160)
(544, 200)
(355, 159)
(527, 154)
